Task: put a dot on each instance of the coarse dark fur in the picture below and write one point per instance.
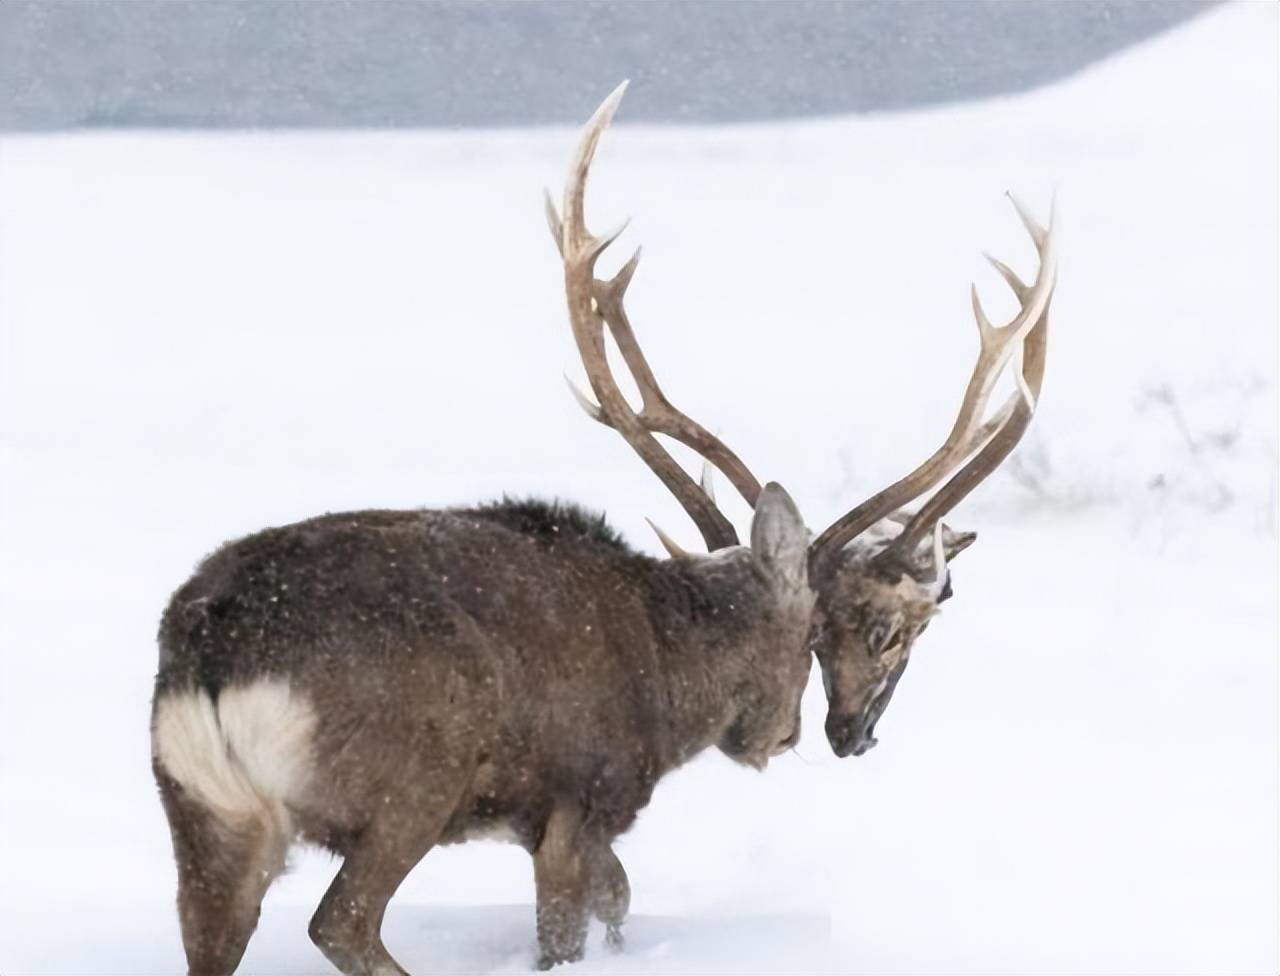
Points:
(552, 520)
(513, 666)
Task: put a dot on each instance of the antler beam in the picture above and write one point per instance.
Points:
(1029, 373)
(997, 436)
(595, 304)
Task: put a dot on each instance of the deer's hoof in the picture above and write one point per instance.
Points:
(547, 961)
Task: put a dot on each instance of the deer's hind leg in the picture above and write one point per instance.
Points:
(347, 927)
(224, 869)
(610, 895)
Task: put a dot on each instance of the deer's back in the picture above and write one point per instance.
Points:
(467, 637)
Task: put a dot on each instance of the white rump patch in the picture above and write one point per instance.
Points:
(243, 756)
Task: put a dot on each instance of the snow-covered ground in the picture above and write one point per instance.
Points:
(203, 335)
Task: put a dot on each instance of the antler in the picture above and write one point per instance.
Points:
(997, 436)
(593, 304)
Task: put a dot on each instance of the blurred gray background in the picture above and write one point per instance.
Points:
(391, 63)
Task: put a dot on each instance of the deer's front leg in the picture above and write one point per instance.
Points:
(562, 872)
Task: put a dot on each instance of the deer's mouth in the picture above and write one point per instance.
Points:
(853, 735)
(789, 742)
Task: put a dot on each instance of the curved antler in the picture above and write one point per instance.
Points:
(996, 437)
(1030, 374)
(595, 303)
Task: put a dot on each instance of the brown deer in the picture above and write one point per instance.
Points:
(382, 682)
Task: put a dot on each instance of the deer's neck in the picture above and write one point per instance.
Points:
(730, 681)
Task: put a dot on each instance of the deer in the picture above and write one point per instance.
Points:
(380, 683)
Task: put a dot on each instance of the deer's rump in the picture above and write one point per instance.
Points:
(307, 670)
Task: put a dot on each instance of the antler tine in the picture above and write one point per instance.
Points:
(593, 304)
(998, 347)
(1020, 290)
(674, 549)
(577, 243)
(554, 223)
(939, 582)
(708, 480)
(592, 410)
(1016, 284)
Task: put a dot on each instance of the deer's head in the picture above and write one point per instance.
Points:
(879, 572)
(871, 607)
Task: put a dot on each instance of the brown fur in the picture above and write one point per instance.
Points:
(515, 666)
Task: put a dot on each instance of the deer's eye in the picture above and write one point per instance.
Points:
(883, 636)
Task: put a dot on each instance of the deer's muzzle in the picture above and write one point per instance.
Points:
(854, 734)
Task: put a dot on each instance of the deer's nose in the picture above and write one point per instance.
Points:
(850, 737)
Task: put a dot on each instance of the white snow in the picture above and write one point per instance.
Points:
(206, 334)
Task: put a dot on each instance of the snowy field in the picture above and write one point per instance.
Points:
(202, 335)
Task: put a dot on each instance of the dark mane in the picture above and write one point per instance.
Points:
(551, 520)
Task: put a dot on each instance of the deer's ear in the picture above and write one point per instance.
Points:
(954, 543)
(779, 539)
